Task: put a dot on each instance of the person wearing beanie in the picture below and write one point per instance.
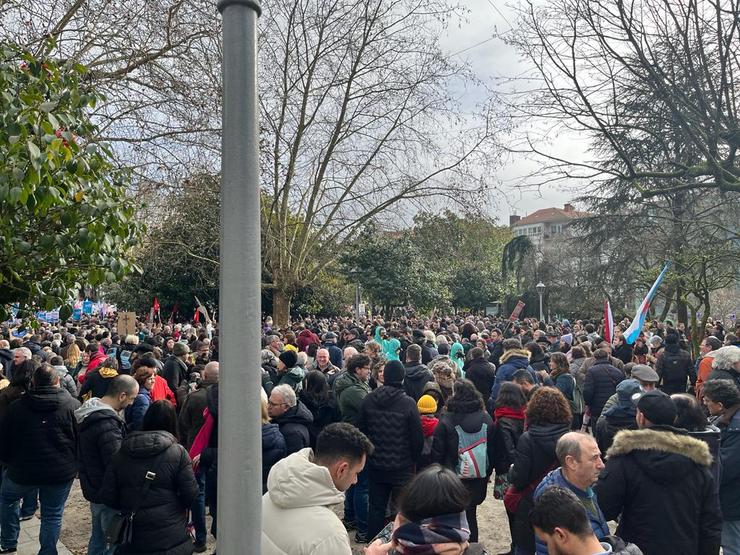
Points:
(390, 419)
(427, 407)
(289, 371)
(618, 417)
(674, 367)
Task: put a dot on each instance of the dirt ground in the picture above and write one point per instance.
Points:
(492, 523)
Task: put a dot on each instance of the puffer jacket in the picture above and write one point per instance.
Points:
(658, 479)
(160, 524)
(589, 501)
(297, 515)
(39, 437)
(101, 432)
(390, 419)
(417, 376)
(601, 383)
(533, 459)
(273, 449)
(511, 361)
(294, 424)
(350, 391)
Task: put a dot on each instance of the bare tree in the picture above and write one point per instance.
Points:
(358, 120)
(681, 57)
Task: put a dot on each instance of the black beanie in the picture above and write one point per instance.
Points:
(394, 373)
(289, 358)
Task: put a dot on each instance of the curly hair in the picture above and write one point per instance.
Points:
(465, 398)
(548, 406)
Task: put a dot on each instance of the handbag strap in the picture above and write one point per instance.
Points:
(148, 480)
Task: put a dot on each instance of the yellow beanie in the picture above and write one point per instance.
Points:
(426, 405)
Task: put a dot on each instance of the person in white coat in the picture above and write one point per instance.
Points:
(297, 515)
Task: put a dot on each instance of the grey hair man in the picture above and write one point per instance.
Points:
(291, 415)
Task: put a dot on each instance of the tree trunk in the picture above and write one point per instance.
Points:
(666, 309)
(281, 308)
(681, 308)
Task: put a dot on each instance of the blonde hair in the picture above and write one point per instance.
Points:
(265, 416)
(73, 354)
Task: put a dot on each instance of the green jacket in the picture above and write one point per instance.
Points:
(350, 391)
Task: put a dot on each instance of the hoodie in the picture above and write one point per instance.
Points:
(297, 515)
(96, 382)
(101, 430)
(417, 376)
(66, 380)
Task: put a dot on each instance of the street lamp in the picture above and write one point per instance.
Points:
(540, 290)
(354, 273)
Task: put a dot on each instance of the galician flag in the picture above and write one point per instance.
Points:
(633, 331)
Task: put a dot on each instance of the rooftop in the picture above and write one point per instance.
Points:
(550, 215)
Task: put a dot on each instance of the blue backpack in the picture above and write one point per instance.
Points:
(472, 453)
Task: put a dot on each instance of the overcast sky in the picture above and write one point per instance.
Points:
(493, 61)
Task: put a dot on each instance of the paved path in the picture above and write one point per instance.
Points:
(28, 541)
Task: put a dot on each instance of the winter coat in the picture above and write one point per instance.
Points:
(160, 523)
(273, 449)
(445, 447)
(101, 431)
(566, 384)
(539, 362)
(6, 358)
(66, 381)
(428, 352)
(336, 356)
(417, 376)
(588, 499)
(675, 368)
(96, 360)
(615, 420)
(324, 411)
(729, 453)
(659, 481)
(293, 377)
(712, 437)
(161, 391)
(297, 515)
(306, 338)
(350, 391)
(496, 348)
(134, 413)
(294, 424)
(39, 437)
(483, 375)
(511, 361)
(191, 418)
(506, 435)
(533, 459)
(7, 396)
(175, 372)
(623, 352)
(390, 419)
(96, 382)
(589, 362)
(601, 383)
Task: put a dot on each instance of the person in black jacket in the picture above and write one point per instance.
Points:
(390, 419)
(96, 381)
(175, 368)
(619, 417)
(495, 347)
(318, 398)
(273, 445)
(601, 383)
(39, 450)
(101, 431)
(481, 372)
(160, 522)
(466, 410)
(658, 479)
(674, 366)
(417, 374)
(548, 418)
(292, 416)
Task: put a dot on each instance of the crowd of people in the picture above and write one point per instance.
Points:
(409, 424)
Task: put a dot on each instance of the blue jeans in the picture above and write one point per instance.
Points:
(30, 503)
(731, 537)
(52, 497)
(198, 509)
(101, 519)
(355, 502)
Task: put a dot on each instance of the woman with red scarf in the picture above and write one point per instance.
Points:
(508, 418)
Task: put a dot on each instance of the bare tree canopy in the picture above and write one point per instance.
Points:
(679, 59)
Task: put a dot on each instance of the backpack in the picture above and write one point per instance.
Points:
(577, 404)
(472, 453)
(122, 356)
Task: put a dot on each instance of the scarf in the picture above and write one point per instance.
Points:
(508, 412)
(439, 535)
(203, 438)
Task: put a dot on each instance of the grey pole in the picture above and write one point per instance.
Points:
(542, 316)
(239, 430)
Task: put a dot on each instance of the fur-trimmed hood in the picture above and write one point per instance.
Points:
(514, 353)
(665, 455)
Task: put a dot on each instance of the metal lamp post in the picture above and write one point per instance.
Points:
(239, 430)
(353, 273)
(540, 291)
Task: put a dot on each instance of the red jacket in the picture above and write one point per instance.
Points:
(306, 338)
(161, 390)
(428, 424)
(96, 360)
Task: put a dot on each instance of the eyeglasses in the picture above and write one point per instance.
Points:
(271, 404)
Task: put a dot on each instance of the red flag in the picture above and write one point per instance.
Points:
(196, 316)
(608, 323)
(517, 311)
(155, 306)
